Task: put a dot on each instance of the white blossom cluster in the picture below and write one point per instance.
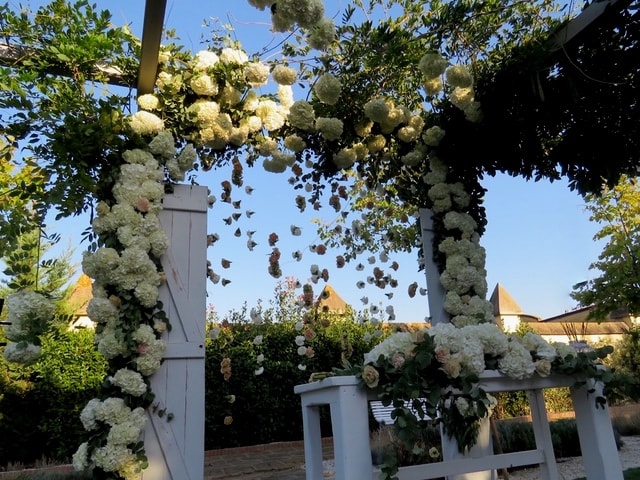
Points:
(463, 351)
(458, 80)
(29, 314)
(308, 14)
(125, 426)
(464, 275)
(134, 221)
(399, 342)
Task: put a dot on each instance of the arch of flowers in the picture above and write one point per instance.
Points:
(398, 104)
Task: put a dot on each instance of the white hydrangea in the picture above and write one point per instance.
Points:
(101, 310)
(204, 60)
(399, 342)
(112, 457)
(129, 381)
(322, 34)
(29, 314)
(110, 346)
(285, 95)
(447, 336)
(432, 65)
(23, 353)
(256, 73)
(101, 264)
(233, 56)
(517, 362)
(329, 128)
(163, 145)
(294, 143)
(458, 76)
(80, 459)
(376, 110)
(462, 97)
(145, 123)
(542, 349)
(302, 116)
(345, 158)
(204, 85)
(284, 75)
(328, 89)
(269, 112)
(148, 101)
(433, 136)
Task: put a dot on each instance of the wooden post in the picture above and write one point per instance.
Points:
(436, 296)
(597, 442)
(174, 442)
(436, 293)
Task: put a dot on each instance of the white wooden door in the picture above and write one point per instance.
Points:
(175, 447)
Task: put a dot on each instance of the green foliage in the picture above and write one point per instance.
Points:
(265, 407)
(18, 186)
(40, 405)
(618, 285)
(626, 360)
(518, 436)
(516, 403)
(49, 103)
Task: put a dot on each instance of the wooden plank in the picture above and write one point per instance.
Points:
(175, 446)
(151, 36)
(467, 465)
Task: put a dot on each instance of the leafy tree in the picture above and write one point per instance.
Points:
(626, 360)
(19, 184)
(618, 286)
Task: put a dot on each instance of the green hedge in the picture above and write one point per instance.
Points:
(40, 405)
(266, 408)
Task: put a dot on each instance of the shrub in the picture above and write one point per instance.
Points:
(266, 409)
(626, 360)
(40, 405)
(518, 436)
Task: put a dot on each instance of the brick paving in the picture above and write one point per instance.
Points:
(275, 461)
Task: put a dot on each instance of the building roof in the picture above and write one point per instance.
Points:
(590, 328)
(581, 315)
(330, 301)
(503, 303)
(80, 295)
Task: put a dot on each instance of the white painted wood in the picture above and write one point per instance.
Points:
(542, 435)
(176, 448)
(597, 442)
(350, 426)
(436, 292)
(351, 435)
(436, 297)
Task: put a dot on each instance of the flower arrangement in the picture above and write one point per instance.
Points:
(129, 318)
(29, 315)
(437, 370)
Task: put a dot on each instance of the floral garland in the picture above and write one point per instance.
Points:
(212, 103)
(125, 307)
(437, 370)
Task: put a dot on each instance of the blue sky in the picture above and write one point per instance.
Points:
(539, 240)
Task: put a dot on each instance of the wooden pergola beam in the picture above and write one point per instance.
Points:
(583, 21)
(12, 55)
(154, 11)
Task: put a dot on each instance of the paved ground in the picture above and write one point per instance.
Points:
(276, 461)
(285, 461)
